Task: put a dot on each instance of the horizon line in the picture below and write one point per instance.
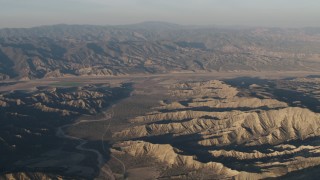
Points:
(163, 22)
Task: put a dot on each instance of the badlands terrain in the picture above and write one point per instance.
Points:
(177, 126)
(159, 101)
(153, 48)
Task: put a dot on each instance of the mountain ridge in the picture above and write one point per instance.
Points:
(151, 48)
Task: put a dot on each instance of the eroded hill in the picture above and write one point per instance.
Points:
(31, 142)
(210, 129)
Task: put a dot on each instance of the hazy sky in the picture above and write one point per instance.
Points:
(285, 13)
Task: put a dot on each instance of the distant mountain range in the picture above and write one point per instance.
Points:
(153, 47)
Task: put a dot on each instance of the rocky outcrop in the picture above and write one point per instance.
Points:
(82, 98)
(45, 108)
(30, 176)
(237, 103)
(259, 155)
(167, 154)
(213, 89)
(267, 127)
(250, 128)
